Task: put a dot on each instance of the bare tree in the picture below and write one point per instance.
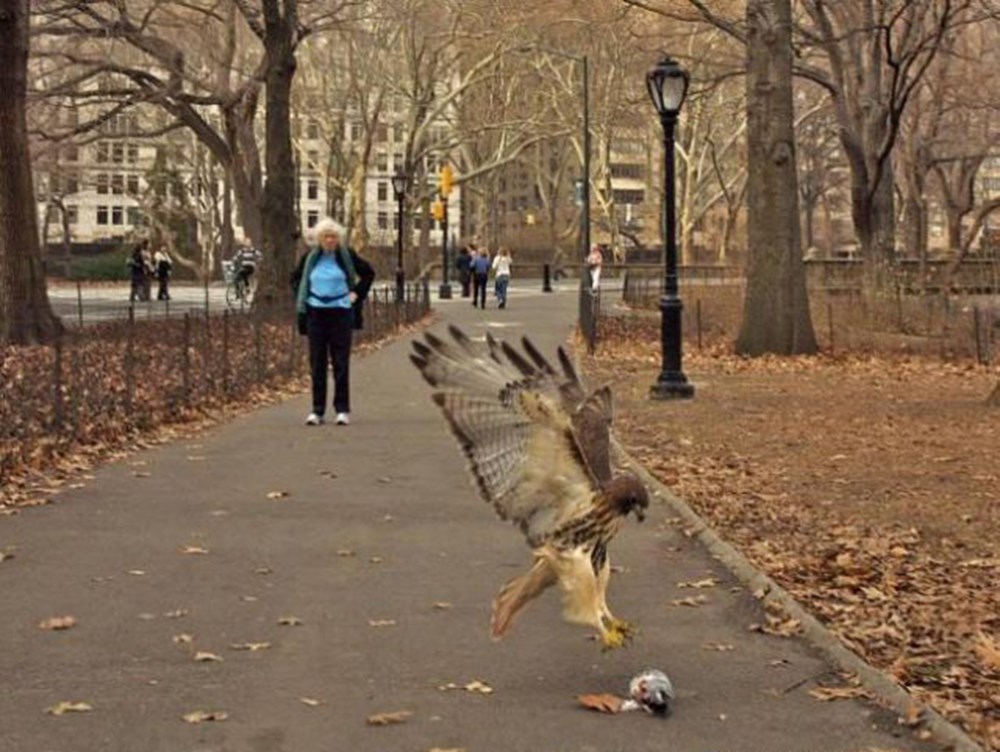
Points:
(25, 314)
(776, 316)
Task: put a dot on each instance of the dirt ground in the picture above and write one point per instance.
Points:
(869, 487)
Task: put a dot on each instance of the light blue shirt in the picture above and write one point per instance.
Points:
(328, 286)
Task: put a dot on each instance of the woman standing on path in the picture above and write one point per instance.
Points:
(162, 264)
(332, 287)
(501, 271)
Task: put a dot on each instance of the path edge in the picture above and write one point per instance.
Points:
(886, 691)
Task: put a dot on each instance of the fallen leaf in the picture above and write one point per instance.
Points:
(205, 657)
(310, 702)
(913, 716)
(249, 598)
(328, 474)
(987, 651)
(202, 716)
(601, 703)
(179, 613)
(137, 572)
(194, 550)
(289, 621)
(708, 582)
(5, 556)
(183, 639)
(385, 479)
(141, 474)
(253, 647)
(61, 708)
(146, 617)
(375, 559)
(263, 570)
(443, 606)
(388, 518)
(476, 687)
(345, 552)
(278, 495)
(691, 601)
(721, 647)
(828, 694)
(195, 458)
(57, 623)
(388, 719)
(381, 622)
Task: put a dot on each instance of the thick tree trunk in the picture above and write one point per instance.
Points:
(278, 205)
(776, 316)
(25, 314)
(874, 216)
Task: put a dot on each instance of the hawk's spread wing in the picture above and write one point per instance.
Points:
(518, 423)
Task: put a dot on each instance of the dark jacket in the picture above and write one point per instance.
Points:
(364, 272)
(464, 262)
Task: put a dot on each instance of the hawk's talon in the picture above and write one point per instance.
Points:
(627, 629)
(614, 638)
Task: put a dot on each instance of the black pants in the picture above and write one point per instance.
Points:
(465, 277)
(330, 331)
(479, 293)
(164, 292)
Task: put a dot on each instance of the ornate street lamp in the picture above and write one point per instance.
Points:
(668, 85)
(399, 184)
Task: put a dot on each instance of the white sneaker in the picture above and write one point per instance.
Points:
(343, 419)
(314, 419)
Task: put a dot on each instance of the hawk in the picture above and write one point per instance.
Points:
(538, 445)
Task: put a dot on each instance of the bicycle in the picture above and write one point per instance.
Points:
(239, 289)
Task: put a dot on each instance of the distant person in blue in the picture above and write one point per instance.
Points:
(333, 282)
(480, 277)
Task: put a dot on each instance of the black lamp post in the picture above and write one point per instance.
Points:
(668, 85)
(399, 181)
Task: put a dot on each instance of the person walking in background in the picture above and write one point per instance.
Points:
(594, 261)
(480, 276)
(331, 291)
(501, 273)
(163, 265)
(464, 266)
(138, 273)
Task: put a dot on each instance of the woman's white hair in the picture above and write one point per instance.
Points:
(327, 226)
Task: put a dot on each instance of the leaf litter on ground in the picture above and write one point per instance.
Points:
(390, 718)
(61, 708)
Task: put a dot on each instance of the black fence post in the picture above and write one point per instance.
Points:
(57, 383)
(130, 361)
(186, 360)
(547, 278)
(257, 350)
(225, 352)
(829, 321)
(79, 302)
(698, 319)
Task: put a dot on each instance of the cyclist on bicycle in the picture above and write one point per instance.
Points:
(245, 262)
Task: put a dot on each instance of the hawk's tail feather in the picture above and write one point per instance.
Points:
(517, 594)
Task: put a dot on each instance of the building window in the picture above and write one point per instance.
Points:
(312, 218)
(382, 133)
(382, 162)
(133, 184)
(133, 153)
(102, 215)
(118, 184)
(629, 197)
(383, 191)
(103, 152)
(312, 190)
(102, 183)
(134, 216)
(633, 171)
(117, 215)
(312, 129)
(71, 184)
(397, 162)
(357, 132)
(72, 214)
(383, 221)
(118, 153)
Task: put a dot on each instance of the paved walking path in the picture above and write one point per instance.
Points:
(391, 489)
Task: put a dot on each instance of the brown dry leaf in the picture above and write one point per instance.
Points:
(375, 559)
(57, 623)
(203, 716)
(345, 552)
(381, 622)
(142, 474)
(179, 613)
(988, 652)
(388, 719)
(205, 657)
(913, 716)
(183, 639)
(604, 703)
(6, 556)
(137, 572)
(475, 686)
(290, 621)
(273, 495)
(61, 708)
(443, 606)
(692, 601)
(311, 702)
(263, 571)
(385, 479)
(194, 550)
(708, 582)
(721, 647)
(253, 647)
(828, 694)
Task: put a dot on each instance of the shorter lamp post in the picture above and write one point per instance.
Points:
(399, 181)
(668, 85)
(444, 191)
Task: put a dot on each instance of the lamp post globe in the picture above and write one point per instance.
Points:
(668, 85)
(399, 184)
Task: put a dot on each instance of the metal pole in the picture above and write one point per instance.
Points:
(400, 274)
(672, 383)
(586, 155)
(444, 292)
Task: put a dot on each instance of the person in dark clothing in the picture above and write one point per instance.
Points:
(138, 272)
(332, 286)
(464, 265)
(163, 266)
(481, 276)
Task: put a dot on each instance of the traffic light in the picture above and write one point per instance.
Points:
(447, 180)
(437, 210)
